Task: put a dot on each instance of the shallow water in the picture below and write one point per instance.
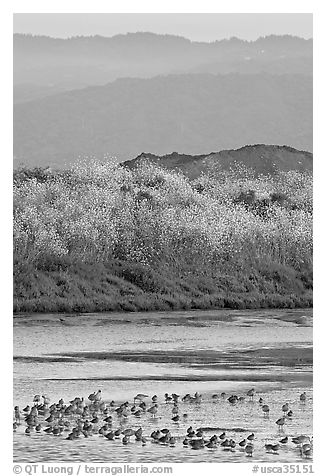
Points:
(154, 353)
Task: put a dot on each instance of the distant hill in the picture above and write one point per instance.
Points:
(54, 64)
(25, 92)
(249, 65)
(263, 159)
(192, 114)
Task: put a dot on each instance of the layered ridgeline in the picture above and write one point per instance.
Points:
(104, 237)
(120, 96)
(191, 114)
(44, 65)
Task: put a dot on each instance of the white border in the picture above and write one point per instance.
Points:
(168, 6)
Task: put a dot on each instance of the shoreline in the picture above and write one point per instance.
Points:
(193, 317)
(163, 304)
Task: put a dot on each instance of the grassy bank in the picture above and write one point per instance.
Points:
(122, 286)
(102, 238)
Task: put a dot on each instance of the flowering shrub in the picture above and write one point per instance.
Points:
(101, 211)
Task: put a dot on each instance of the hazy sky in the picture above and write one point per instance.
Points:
(195, 26)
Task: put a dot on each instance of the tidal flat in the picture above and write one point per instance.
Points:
(209, 352)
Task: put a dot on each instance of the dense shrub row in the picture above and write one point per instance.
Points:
(223, 224)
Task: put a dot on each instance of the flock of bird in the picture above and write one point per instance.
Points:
(84, 418)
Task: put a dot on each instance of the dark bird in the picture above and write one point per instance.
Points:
(285, 408)
(197, 444)
(211, 445)
(225, 444)
(138, 433)
(17, 414)
(296, 440)
(249, 449)
(284, 440)
(164, 439)
(110, 436)
(164, 431)
(155, 434)
(233, 399)
(128, 432)
(265, 409)
(307, 453)
(280, 422)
